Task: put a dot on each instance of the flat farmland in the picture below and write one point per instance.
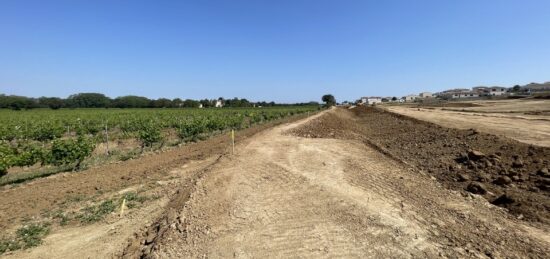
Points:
(342, 183)
(527, 121)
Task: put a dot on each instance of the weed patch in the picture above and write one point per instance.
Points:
(97, 212)
(25, 237)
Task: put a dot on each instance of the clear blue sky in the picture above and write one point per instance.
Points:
(286, 51)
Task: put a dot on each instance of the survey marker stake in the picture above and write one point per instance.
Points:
(122, 207)
(232, 141)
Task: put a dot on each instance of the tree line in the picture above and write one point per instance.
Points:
(98, 100)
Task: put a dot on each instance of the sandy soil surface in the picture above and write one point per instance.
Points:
(496, 119)
(330, 196)
(508, 106)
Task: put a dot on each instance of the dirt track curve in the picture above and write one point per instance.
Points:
(288, 196)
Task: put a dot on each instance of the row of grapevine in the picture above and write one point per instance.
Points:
(66, 136)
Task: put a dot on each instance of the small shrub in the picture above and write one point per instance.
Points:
(97, 212)
(32, 234)
(149, 134)
(133, 199)
(70, 151)
(191, 129)
(7, 158)
(9, 245)
(29, 155)
(25, 237)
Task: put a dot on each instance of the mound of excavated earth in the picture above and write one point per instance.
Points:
(506, 172)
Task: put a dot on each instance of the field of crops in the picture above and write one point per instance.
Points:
(67, 137)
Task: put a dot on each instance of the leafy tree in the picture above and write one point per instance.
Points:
(88, 100)
(188, 103)
(177, 103)
(329, 100)
(17, 102)
(51, 102)
(394, 98)
(131, 101)
(206, 103)
(161, 103)
(516, 88)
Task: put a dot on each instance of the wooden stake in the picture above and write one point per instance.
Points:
(122, 207)
(107, 138)
(233, 141)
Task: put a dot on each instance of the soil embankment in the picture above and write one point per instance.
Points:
(506, 172)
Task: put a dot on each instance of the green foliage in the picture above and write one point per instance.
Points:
(88, 100)
(25, 237)
(32, 234)
(26, 154)
(150, 133)
(131, 101)
(9, 245)
(329, 100)
(29, 155)
(97, 212)
(8, 157)
(43, 135)
(68, 151)
(133, 199)
(191, 129)
(45, 131)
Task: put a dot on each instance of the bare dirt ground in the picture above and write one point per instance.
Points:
(290, 193)
(527, 121)
(343, 183)
(155, 176)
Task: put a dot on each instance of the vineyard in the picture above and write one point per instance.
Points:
(65, 138)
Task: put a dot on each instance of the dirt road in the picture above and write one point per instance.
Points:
(288, 196)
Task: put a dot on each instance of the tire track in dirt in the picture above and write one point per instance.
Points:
(287, 196)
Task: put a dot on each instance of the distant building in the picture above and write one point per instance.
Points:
(458, 93)
(370, 100)
(497, 90)
(410, 98)
(219, 104)
(481, 90)
(489, 91)
(426, 95)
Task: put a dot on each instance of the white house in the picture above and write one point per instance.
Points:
(410, 98)
(497, 90)
(218, 104)
(370, 100)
